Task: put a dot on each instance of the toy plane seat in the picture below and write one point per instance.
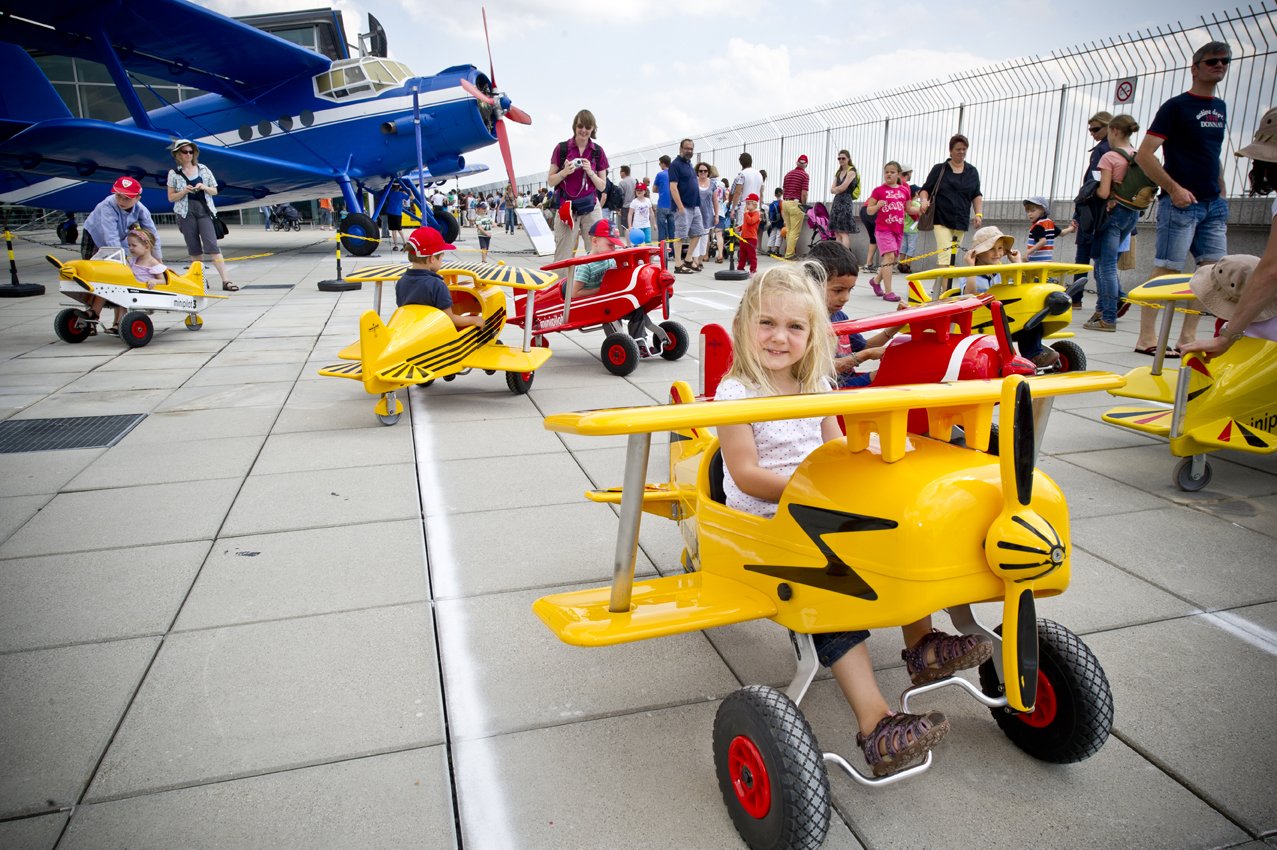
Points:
(717, 476)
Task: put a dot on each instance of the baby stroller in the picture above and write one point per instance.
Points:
(818, 221)
(285, 217)
(67, 230)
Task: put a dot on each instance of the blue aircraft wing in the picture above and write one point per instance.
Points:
(169, 39)
(97, 151)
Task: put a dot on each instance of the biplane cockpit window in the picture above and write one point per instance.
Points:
(366, 76)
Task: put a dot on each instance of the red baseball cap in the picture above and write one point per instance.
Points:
(426, 242)
(751, 197)
(802, 159)
(128, 187)
(603, 230)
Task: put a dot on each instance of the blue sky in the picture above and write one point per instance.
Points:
(657, 70)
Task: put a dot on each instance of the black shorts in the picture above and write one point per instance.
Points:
(484, 242)
(394, 222)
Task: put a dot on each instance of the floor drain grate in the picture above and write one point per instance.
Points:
(74, 432)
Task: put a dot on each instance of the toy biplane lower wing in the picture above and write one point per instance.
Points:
(630, 611)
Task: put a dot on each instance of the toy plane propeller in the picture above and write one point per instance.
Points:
(278, 123)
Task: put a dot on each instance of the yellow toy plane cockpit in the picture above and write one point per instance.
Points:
(109, 277)
(1031, 298)
(1228, 402)
(874, 530)
(420, 344)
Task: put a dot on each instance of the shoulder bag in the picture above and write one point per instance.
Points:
(927, 221)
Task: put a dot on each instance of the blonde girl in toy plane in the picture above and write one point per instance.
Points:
(782, 347)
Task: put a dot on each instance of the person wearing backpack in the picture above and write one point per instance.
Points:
(1126, 191)
(1192, 212)
(846, 189)
(576, 174)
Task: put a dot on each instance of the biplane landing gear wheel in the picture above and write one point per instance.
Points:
(449, 229)
(1074, 711)
(519, 382)
(678, 343)
(359, 234)
(770, 770)
(620, 354)
(194, 322)
(388, 409)
(72, 325)
(1072, 358)
(1184, 479)
(136, 329)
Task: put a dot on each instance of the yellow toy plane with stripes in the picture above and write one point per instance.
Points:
(1228, 402)
(874, 530)
(420, 344)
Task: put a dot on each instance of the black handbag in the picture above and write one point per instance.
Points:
(219, 227)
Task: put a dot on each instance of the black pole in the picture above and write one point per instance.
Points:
(16, 289)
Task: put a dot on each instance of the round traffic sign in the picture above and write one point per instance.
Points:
(1125, 91)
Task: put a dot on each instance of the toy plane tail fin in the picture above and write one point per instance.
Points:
(196, 274)
(374, 336)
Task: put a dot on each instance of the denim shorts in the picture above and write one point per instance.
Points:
(688, 223)
(1199, 229)
(834, 645)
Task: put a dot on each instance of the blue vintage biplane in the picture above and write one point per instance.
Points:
(279, 122)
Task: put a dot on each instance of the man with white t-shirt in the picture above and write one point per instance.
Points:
(748, 182)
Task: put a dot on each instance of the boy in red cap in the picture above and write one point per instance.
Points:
(749, 235)
(590, 275)
(422, 284)
(117, 214)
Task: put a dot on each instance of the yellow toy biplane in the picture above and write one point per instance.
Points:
(874, 530)
(1032, 301)
(420, 344)
(1228, 402)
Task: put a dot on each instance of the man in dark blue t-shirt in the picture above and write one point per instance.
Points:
(685, 195)
(1192, 213)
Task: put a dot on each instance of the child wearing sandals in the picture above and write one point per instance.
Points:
(991, 247)
(887, 204)
(782, 346)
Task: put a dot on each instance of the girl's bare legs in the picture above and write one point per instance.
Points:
(855, 675)
(916, 631)
(886, 262)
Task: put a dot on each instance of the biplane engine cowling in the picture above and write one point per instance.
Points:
(446, 165)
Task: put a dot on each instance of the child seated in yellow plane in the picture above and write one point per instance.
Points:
(782, 347)
(146, 269)
(422, 284)
(990, 247)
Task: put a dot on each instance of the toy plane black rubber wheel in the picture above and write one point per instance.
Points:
(361, 226)
(620, 354)
(771, 771)
(72, 325)
(194, 322)
(136, 329)
(731, 274)
(1184, 479)
(519, 382)
(678, 341)
(1072, 357)
(1074, 710)
(449, 229)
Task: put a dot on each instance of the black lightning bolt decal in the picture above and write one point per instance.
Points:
(837, 576)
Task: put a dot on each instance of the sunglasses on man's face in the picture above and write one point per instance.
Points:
(1216, 61)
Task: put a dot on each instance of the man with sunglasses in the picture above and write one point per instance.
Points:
(1192, 213)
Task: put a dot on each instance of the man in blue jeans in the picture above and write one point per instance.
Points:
(1192, 212)
(664, 206)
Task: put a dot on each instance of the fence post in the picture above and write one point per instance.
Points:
(886, 133)
(1059, 138)
(962, 108)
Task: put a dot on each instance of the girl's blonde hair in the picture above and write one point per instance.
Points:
(145, 235)
(805, 284)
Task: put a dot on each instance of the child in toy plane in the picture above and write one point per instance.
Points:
(782, 349)
(422, 284)
(990, 247)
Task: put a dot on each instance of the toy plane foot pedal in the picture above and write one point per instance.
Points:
(344, 370)
(1149, 420)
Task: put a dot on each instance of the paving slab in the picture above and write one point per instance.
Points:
(301, 573)
(125, 516)
(482, 397)
(320, 498)
(501, 550)
(16, 510)
(219, 397)
(64, 404)
(335, 449)
(492, 690)
(182, 426)
(1257, 514)
(191, 360)
(503, 438)
(39, 473)
(143, 379)
(1196, 696)
(32, 365)
(327, 405)
(394, 800)
(94, 596)
(643, 780)
(239, 375)
(134, 463)
(1150, 468)
(484, 484)
(37, 833)
(58, 710)
(1187, 553)
(981, 791)
(1092, 494)
(234, 702)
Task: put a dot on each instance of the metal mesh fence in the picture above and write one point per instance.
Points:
(1026, 118)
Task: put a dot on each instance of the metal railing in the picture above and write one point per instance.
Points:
(1026, 118)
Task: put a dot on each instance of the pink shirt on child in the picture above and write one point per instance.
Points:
(891, 215)
(1116, 163)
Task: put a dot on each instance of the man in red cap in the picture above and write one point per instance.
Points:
(117, 214)
(422, 284)
(793, 196)
(749, 235)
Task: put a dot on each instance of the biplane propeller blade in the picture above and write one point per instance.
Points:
(1021, 546)
(473, 90)
(501, 104)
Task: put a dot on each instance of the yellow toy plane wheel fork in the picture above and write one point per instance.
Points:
(388, 409)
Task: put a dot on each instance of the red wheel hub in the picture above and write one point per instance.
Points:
(525, 376)
(616, 354)
(1044, 710)
(138, 329)
(748, 772)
